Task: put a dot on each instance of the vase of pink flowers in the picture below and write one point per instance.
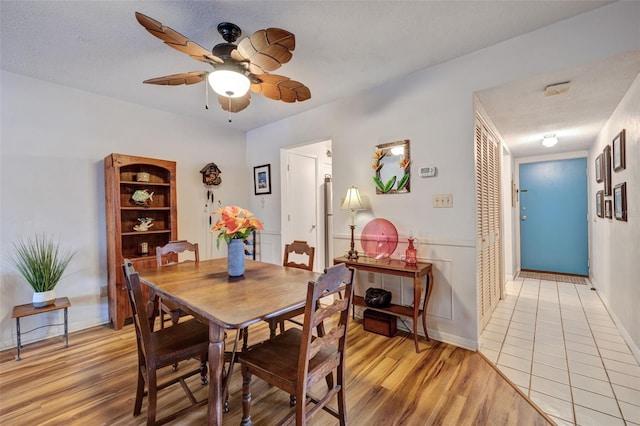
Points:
(235, 225)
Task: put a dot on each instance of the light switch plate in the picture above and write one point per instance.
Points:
(443, 201)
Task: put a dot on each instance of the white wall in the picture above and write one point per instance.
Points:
(434, 109)
(53, 142)
(615, 244)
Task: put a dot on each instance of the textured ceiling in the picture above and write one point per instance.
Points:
(523, 115)
(342, 47)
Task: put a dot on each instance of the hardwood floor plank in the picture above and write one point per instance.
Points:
(93, 383)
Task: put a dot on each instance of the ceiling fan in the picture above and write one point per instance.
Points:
(236, 68)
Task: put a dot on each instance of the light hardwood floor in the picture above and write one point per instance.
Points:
(93, 383)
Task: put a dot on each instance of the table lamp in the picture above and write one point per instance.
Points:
(353, 202)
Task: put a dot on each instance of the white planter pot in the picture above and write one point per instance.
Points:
(44, 298)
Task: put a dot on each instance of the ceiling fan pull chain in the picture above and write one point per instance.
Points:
(206, 96)
(229, 97)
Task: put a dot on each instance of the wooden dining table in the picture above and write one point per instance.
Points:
(205, 290)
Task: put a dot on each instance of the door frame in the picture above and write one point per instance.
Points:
(306, 149)
(516, 173)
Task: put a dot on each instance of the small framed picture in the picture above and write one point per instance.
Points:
(619, 152)
(620, 201)
(607, 209)
(600, 203)
(599, 177)
(262, 179)
(606, 164)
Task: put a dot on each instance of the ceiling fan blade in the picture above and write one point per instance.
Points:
(293, 91)
(281, 88)
(178, 79)
(234, 104)
(266, 50)
(176, 40)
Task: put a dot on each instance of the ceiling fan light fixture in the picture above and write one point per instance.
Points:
(549, 141)
(228, 83)
(234, 64)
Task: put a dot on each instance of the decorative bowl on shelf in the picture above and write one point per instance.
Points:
(379, 238)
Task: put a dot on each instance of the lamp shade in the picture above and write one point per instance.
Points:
(228, 83)
(352, 200)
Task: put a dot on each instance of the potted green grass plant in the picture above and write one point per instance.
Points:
(41, 261)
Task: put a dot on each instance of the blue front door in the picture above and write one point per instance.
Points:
(553, 216)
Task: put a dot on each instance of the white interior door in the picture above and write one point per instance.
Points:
(301, 217)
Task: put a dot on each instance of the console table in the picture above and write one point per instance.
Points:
(399, 268)
(28, 309)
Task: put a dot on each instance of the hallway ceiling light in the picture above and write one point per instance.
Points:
(549, 141)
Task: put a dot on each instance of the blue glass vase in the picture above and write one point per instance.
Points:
(235, 258)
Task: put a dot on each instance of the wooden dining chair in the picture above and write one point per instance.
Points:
(303, 251)
(162, 348)
(296, 360)
(169, 254)
(300, 248)
(177, 247)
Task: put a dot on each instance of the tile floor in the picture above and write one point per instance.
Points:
(557, 342)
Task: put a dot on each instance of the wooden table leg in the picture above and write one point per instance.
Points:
(417, 292)
(425, 304)
(216, 365)
(273, 326)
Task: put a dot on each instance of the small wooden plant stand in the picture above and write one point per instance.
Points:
(28, 309)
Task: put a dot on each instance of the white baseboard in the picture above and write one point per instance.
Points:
(623, 331)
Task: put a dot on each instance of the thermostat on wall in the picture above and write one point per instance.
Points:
(428, 171)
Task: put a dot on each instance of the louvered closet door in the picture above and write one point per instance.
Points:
(488, 229)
